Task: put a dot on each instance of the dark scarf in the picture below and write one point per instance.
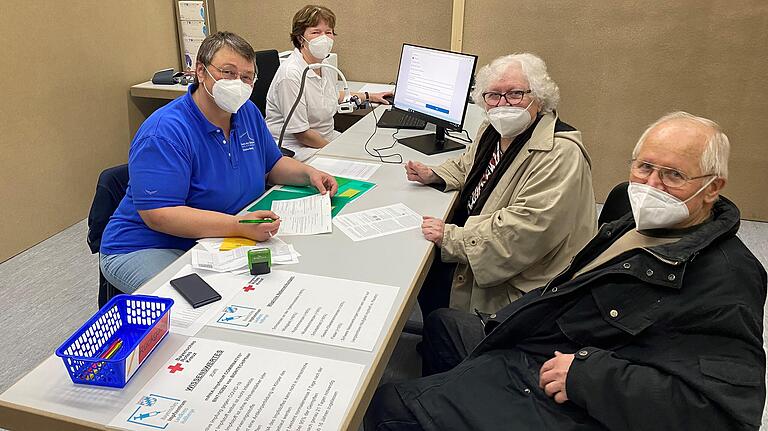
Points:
(485, 149)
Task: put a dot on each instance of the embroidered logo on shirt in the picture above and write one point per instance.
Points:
(150, 192)
(246, 142)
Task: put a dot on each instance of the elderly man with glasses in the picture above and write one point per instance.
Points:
(526, 202)
(655, 325)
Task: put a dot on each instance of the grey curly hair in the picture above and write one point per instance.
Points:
(543, 88)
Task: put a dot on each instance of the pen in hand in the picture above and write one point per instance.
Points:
(262, 220)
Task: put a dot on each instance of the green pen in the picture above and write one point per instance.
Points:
(263, 220)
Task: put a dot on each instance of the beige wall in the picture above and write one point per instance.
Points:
(621, 65)
(65, 112)
(370, 33)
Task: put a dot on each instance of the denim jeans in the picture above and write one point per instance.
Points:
(127, 272)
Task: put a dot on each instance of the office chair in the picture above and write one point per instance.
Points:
(110, 190)
(616, 204)
(267, 63)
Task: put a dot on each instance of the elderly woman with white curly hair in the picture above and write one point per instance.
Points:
(526, 203)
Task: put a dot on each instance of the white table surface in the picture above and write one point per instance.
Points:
(351, 144)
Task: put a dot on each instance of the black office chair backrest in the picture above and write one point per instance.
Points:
(616, 204)
(110, 190)
(267, 63)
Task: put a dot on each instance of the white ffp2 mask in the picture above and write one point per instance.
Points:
(320, 46)
(229, 94)
(509, 121)
(656, 209)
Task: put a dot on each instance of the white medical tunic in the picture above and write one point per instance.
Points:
(315, 110)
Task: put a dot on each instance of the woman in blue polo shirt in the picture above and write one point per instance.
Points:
(193, 164)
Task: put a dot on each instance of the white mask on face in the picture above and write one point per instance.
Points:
(509, 121)
(229, 94)
(656, 209)
(320, 46)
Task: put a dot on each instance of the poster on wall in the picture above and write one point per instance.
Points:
(194, 21)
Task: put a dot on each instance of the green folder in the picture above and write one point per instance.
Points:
(348, 191)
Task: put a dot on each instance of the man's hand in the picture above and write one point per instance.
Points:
(433, 229)
(322, 181)
(553, 375)
(419, 172)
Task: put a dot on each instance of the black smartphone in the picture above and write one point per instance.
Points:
(195, 290)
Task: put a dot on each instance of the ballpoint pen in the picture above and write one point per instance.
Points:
(262, 220)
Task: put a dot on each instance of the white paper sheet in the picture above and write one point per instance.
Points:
(186, 320)
(216, 385)
(309, 307)
(191, 10)
(304, 216)
(193, 29)
(378, 222)
(282, 253)
(220, 261)
(376, 88)
(345, 168)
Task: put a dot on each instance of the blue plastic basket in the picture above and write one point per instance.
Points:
(140, 321)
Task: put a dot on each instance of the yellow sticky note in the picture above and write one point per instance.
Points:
(348, 193)
(233, 243)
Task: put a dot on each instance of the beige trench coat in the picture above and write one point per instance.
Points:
(539, 215)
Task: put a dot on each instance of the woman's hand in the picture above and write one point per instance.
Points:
(379, 97)
(419, 172)
(433, 229)
(258, 231)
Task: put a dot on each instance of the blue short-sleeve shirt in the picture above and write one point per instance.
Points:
(179, 158)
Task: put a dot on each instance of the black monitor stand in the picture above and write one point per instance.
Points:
(430, 144)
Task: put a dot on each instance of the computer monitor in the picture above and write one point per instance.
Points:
(433, 84)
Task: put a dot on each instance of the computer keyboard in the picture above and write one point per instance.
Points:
(394, 119)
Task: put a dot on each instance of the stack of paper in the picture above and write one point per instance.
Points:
(219, 257)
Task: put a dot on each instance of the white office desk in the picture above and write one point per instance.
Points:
(47, 399)
(351, 144)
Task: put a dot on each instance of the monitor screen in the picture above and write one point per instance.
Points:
(435, 84)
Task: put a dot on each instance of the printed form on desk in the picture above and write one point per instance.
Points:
(304, 216)
(307, 307)
(345, 168)
(217, 385)
(377, 222)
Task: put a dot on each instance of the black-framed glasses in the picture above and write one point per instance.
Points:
(229, 72)
(670, 177)
(513, 97)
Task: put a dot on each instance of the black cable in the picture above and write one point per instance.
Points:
(378, 150)
(286, 151)
(468, 140)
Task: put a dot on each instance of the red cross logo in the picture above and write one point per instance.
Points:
(248, 288)
(175, 368)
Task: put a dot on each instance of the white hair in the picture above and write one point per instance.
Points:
(543, 88)
(714, 159)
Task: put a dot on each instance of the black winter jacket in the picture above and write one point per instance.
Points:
(670, 339)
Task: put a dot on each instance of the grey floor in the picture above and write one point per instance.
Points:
(49, 290)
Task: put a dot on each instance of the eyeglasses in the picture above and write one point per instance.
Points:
(671, 178)
(513, 97)
(228, 72)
